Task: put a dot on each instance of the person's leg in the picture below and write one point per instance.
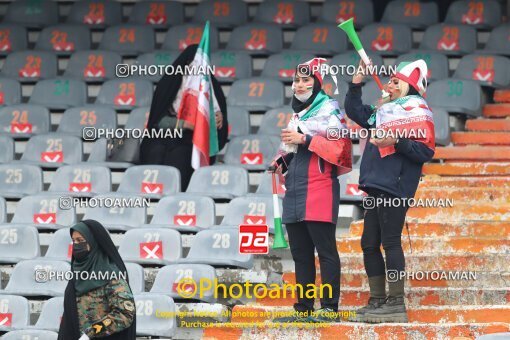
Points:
(180, 157)
(152, 151)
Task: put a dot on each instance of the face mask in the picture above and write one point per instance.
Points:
(80, 250)
(303, 97)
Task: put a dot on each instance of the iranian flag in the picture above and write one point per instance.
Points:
(197, 105)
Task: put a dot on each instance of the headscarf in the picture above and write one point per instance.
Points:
(298, 105)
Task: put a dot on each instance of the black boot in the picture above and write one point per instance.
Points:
(377, 297)
(394, 310)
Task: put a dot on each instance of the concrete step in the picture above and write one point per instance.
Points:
(493, 124)
(496, 110)
(460, 212)
(473, 153)
(467, 169)
(502, 96)
(466, 194)
(481, 138)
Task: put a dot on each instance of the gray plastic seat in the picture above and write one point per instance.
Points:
(152, 181)
(222, 14)
(64, 39)
(3, 211)
(437, 63)
(12, 38)
(168, 278)
(184, 212)
(219, 181)
(19, 242)
(283, 65)
(266, 185)
(488, 70)
(238, 121)
(10, 91)
(147, 323)
(417, 15)
(136, 277)
(456, 95)
(336, 12)
(32, 278)
(218, 247)
(494, 336)
(449, 39)
(158, 14)
(61, 246)
(441, 126)
(290, 14)
(29, 334)
(125, 94)
(349, 191)
(24, 120)
(15, 313)
(181, 36)
(32, 14)
(352, 58)
(127, 39)
(498, 42)
(252, 152)
(256, 39)
(371, 93)
(30, 65)
(156, 58)
(486, 14)
(231, 65)
(51, 313)
(275, 120)
(151, 246)
(93, 65)
(53, 150)
(82, 179)
(387, 39)
(59, 93)
(95, 14)
(89, 116)
(6, 149)
(256, 94)
(99, 152)
(320, 39)
(138, 118)
(43, 211)
(18, 180)
(119, 217)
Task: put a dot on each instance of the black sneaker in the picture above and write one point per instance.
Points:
(373, 303)
(394, 310)
(324, 315)
(295, 316)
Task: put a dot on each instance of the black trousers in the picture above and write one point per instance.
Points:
(304, 238)
(383, 225)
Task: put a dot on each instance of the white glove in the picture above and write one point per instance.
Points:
(84, 337)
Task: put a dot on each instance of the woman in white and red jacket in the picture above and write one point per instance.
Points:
(312, 163)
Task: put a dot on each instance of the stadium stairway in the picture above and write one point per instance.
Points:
(473, 235)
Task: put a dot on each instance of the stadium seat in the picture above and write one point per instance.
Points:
(256, 39)
(10, 91)
(136, 277)
(441, 126)
(288, 14)
(147, 323)
(43, 211)
(275, 120)
(125, 94)
(53, 150)
(61, 245)
(168, 279)
(59, 93)
(387, 39)
(32, 278)
(179, 37)
(352, 58)
(222, 14)
(51, 314)
(15, 313)
(480, 14)
(238, 121)
(64, 39)
(329, 86)
(29, 334)
(231, 65)
(283, 65)
(158, 14)
(412, 13)
(156, 246)
(449, 39)
(6, 149)
(84, 180)
(24, 120)
(100, 151)
(252, 209)
(437, 63)
(256, 94)
(488, 70)
(128, 40)
(93, 65)
(184, 212)
(456, 95)
(252, 152)
(75, 119)
(320, 39)
(152, 181)
(138, 118)
(156, 58)
(349, 191)
(219, 181)
(335, 12)
(266, 185)
(127, 211)
(30, 65)
(32, 14)
(498, 42)
(12, 38)
(3, 211)
(371, 92)
(218, 247)
(95, 13)
(19, 242)
(18, 180)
